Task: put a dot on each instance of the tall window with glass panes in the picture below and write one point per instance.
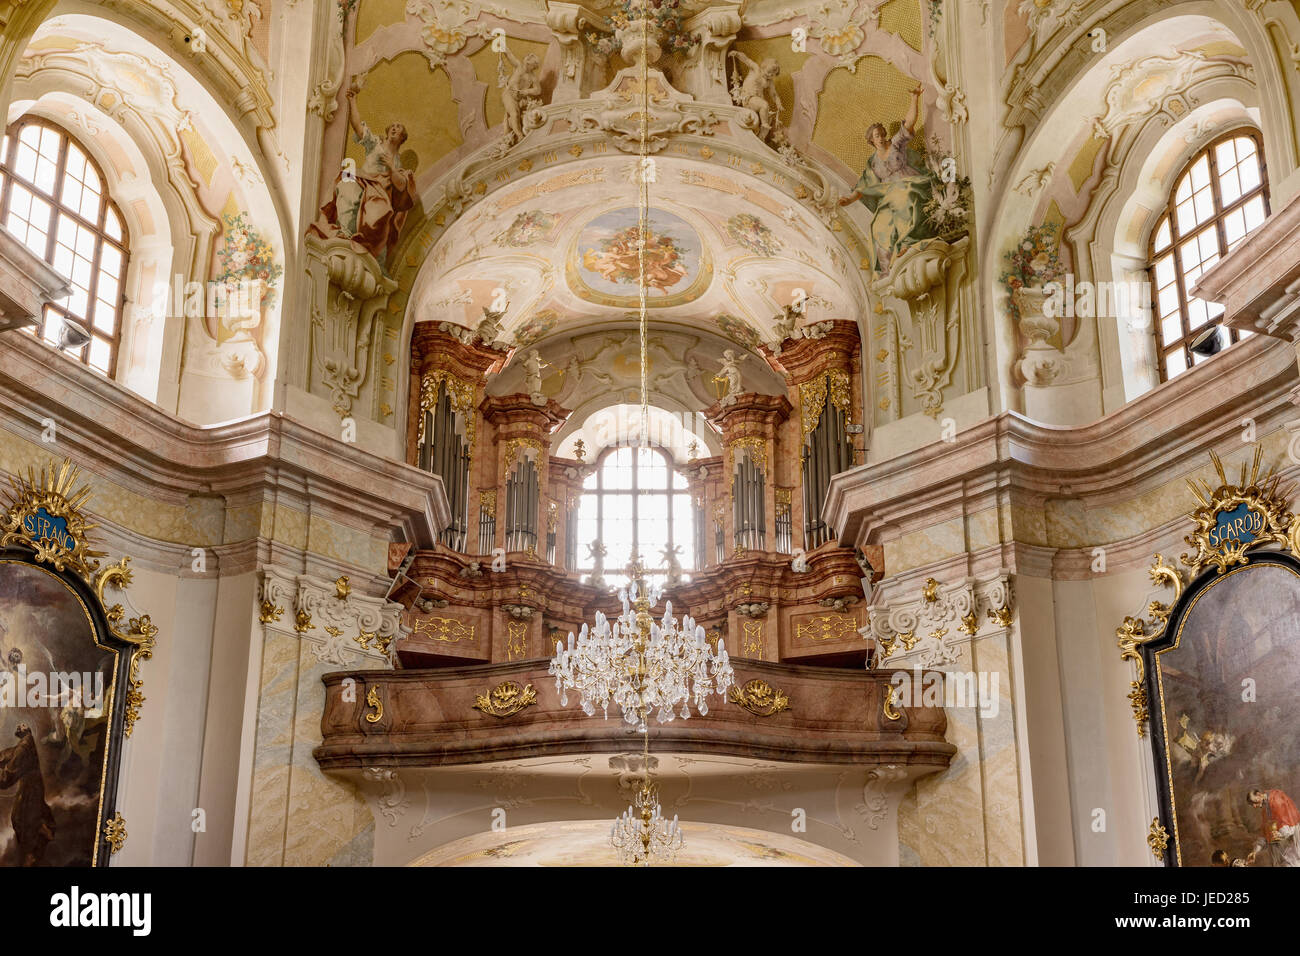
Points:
(1219, 198)
(635, 503)
(54, 199)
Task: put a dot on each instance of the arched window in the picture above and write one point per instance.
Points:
(53, 198)
(635, 503)
(1220, 197)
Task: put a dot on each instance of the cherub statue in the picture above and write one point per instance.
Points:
(730, 374)
(787, 325)
(597, 552)
(521, 90)
(533, 366)
(674, 566)
(757, 92)
(489, 328)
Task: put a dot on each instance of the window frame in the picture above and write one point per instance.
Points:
(1170, 215)
(8, 170)
(653, 571)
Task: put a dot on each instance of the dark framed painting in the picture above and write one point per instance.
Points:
(1221, 681)
(69, 679)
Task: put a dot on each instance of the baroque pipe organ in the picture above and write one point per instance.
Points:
(768, 577)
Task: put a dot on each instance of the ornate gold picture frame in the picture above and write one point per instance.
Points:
(70, 683)
(1217, 669)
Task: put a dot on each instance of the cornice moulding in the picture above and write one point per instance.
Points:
(137, 445)
(1134, 449)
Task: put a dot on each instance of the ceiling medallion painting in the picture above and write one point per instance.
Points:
(602, 263)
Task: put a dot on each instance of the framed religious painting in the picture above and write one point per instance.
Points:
(69, 680)
(1218, 668)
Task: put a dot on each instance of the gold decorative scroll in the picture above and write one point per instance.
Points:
(487, 503)
(445, 629)
(459, 391)
(752, 642)
(812, 399)
(505, 699)
(827, 627)
(759, 698)
(1135, 631)
(1157, 838)
(1265, 505)
(890, 707)
(513, 446)
(376, 703)
(516, 640)
(115, 832)
(783, 496)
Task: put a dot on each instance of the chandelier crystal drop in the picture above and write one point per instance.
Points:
(641, 835)
(639, 665)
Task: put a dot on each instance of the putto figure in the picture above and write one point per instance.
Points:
(521, 90)
(370, 206)
(729, 375)
(757, 92)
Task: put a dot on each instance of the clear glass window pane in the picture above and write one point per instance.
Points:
(1200, 173)
(1162, 234)
(1225, 154)
(1234, 226)
(1165, 270)
(100, 351)
(1175, 363)
(1254, 213)
(1248, 170)
(1230, 186)
(113, 226)
(89, 208)
(105, 316)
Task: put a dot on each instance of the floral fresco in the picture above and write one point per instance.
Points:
(1033, 262)
(737, 329)
(535, 327)
(528, 228)
(247, 258)
(751, 232)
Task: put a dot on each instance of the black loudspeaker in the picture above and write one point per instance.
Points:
(1209, 342)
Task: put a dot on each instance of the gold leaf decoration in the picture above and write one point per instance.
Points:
(759, 698)
(505, 699)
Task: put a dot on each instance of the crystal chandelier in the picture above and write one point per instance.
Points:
(641, 834)
(640, 666)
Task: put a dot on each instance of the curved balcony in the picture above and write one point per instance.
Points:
(451, 716)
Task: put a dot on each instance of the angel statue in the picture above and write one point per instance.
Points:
(521, 90)
(533, 366)
(370, 202)
(757, 92)
(730, 375)
(597, 552)
(674, 566)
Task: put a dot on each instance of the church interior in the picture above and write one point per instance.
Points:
(649, 432)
